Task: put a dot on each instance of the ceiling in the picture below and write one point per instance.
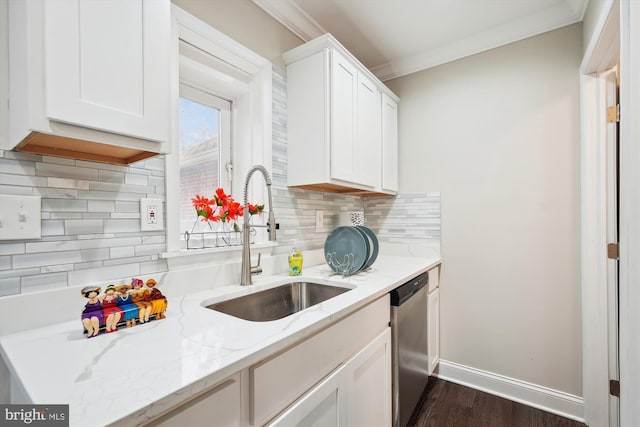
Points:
(398, 37)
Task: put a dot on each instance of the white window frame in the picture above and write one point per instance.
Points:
(201, 96)
(251, 116)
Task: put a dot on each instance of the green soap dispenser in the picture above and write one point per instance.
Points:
(295, 261)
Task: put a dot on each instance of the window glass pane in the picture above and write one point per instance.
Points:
(199, 145)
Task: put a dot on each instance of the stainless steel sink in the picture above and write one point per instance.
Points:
(278, 302)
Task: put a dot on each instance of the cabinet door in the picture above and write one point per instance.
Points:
(344, 104)
(107, 65)
(389, 144)
(433, 329)
(369, 384)
(368, 145)
(323, 405)
(219, 407)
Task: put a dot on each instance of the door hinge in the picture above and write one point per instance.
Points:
(613, 114)
(613, 251)
(614, 388)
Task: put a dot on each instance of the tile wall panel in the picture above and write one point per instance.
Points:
(406, 218)
(90, 222)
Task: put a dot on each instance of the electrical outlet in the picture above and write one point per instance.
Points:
(319, 221)
(151, 216)
(20, 217)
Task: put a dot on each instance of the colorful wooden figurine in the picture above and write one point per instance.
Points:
(111, 312)
(130, 310)
(158, 301)
(92, 317)
(141, 297)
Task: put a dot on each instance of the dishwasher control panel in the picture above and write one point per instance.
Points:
(403, 292)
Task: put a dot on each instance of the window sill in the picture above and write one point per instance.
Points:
(192, 257)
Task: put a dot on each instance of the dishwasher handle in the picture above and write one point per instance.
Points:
(403, 292)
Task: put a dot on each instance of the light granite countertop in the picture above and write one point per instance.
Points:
(131, 376)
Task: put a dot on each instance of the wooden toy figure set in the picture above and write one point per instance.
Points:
(122, 305)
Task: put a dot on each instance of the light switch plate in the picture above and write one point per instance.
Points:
(151, 215)
(20, 217)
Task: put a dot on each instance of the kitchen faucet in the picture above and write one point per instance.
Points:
(247, 270)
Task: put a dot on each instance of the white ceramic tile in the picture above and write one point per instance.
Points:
(12, 248)
(122, 252)
(66, 171)
(9, 286)
(84, 226)
(82, 244)
(121, 225)
(138, 179)
(52, 227)
(79, 277)
(130, 206)
(43, 282)
(48, 258)
(110, 176)
(64, 205)
(95, 254)
(22, 180)
(77, 184)
(101, 206)
(17, 167)
(16, 190)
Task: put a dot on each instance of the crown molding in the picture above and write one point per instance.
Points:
(532, 25)
(568, 12)
(292, 17)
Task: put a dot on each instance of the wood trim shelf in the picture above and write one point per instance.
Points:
(52, 145)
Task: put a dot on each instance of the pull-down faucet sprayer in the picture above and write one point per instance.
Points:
(246, 270)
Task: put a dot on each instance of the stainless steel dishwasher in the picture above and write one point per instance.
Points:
(409, 347)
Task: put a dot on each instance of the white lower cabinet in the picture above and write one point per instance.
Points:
(358, 393)
(218, 407)
(323, 405)
(369, 384)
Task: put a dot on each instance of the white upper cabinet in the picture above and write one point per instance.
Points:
(367, 144)
(389, 144)
(335, 122)
(90, 76)
(344, 117)
(104, 63)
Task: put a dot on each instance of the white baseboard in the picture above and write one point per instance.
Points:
(547, 399)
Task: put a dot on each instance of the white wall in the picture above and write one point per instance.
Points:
(247, 24)
(498, 135)
(590, 20)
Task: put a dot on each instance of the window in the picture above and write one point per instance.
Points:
(218, 77)
(204, 148)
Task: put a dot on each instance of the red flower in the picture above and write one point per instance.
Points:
(232, 210)
(255, 209)
(221, 198)
(208, 214)
(199, 202)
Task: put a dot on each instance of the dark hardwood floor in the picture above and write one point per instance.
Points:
(445, 404)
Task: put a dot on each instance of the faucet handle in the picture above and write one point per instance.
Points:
(256, 269)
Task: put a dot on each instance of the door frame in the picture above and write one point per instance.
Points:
(618, 25)
(593, 152)
(629, 213)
